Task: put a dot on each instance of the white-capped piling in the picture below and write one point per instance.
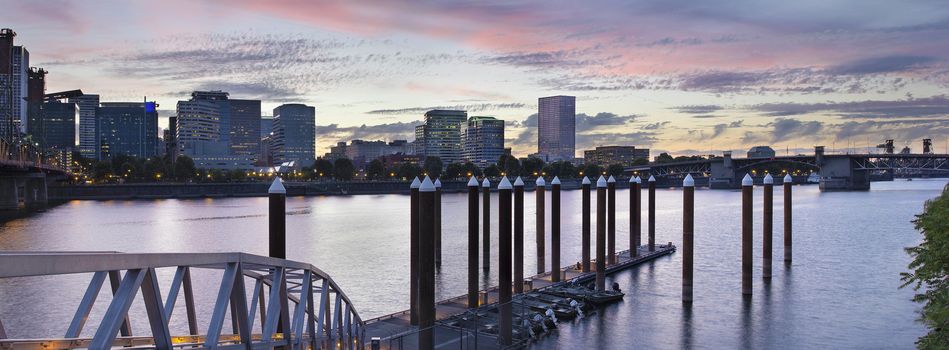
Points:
(688, 234)
(426, 293)
(413, 250)
(747, 232)
(438, 222)
(278, 219)
(766, 226)
(788, 182)
(504, 262)
(611, 220)
(518, 235)
(486, 224)
(585, 226)
(652, 213)
(555, 229)
(601, 234)
(635, 216)
(473, 286)
(540, 224)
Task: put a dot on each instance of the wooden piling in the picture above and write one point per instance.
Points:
(611, 220)
(413, 250)
(585, 229)
(278, 219)
(601, 234)
(504, 262)
(555, 229)
(788, 182)
(747, 220)
(688, 234)
(486, 224)
(426, 293)
(767, 226)
(540, 223)
(438, 222)
(473, 286)
(652, 213)
(518, 235)
(635, 216)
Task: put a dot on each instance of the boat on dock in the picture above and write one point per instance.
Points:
(588, 295)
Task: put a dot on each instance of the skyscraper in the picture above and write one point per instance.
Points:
(294, 134)
(440, 136)
(483, 140)
(87, 105)
(556, 128)
(245, 127)
(199, 121)
(21, 67)
(52, 125)
(8, 119)
(127, 128)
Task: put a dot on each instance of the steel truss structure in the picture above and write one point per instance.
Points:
(905, 163)
(299, 306)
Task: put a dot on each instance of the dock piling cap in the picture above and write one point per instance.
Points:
(473, 182)
(788, 179)
(504, 184)
(586, 180)
(555, 181)
(688, 181)
(540, 181)
(611, 179)
(768, 180)
(601, 182)
(652, 178)
(485, 183)
(438, 183)
(519, 182)
(747, 181)
(415, 183)
(427, 185)
(277, 187)
(635, 179)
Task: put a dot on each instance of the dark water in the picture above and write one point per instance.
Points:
(840, 292)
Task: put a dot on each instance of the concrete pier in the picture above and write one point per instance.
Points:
(504, 262)
(747, 233)
(414, 249)
(9, 198)
(540, 224)
(611, 220)
(635, 215)
(473, 229)
(601, 233)
(766, 226)
(688, 234)
(585, 229)
(426, 292)
(652, 213)
(34, 192)
(519, 235)
(555, 228)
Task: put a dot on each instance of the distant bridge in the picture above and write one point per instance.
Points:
(299, 306)
(24, 173)
(837, 171)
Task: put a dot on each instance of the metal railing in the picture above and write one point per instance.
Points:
(299, 306)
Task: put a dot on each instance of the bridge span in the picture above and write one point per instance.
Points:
(837, 172)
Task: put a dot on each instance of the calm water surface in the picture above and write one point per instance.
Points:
(840, 292)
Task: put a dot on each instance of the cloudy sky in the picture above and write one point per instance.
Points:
(673, 75)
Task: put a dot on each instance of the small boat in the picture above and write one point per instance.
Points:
(586, 294)
(813, 178)
(540, 306)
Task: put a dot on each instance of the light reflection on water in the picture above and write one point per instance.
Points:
(841, 291)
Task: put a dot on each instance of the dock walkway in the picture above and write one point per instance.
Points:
(396, 331)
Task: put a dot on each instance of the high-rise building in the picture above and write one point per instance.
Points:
(21, 68)
(362, 152)
(556, 128)
(440, 136)
(245, 127)
(171, 138)
(199, 121)
(8, 99)
(609, 155)
(294, 134)
(52, 125)
(87, 105)
(483, 140)
(127, 128)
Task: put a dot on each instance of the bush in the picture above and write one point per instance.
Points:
(931, 271)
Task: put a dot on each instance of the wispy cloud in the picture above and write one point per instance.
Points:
(480, 107)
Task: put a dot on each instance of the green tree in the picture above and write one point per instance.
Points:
(238, 175)
(592, 170)
(409, 171)
(155, 169)
(323, 167)
(454, 171)
(184, 168)
(471, 170)
(433, 166)
(375, 170)
(930, 274)
(640, 161)
(509, 165)
(343, 169)
(615, 170)
(127, 170)
(492, 171)
(102, 170)
(532, 166)
(664, 158)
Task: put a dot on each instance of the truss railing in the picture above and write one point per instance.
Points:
(297, 305)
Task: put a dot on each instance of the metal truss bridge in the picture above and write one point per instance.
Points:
(290, 304)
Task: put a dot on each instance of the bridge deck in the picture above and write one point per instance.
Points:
(397, 332)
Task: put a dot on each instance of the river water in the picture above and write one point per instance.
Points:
(841, 291)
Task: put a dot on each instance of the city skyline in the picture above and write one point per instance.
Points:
(740, 75)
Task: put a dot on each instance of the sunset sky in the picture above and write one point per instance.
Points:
(679, 76)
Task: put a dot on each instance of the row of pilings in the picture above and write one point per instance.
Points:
(425, 232)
